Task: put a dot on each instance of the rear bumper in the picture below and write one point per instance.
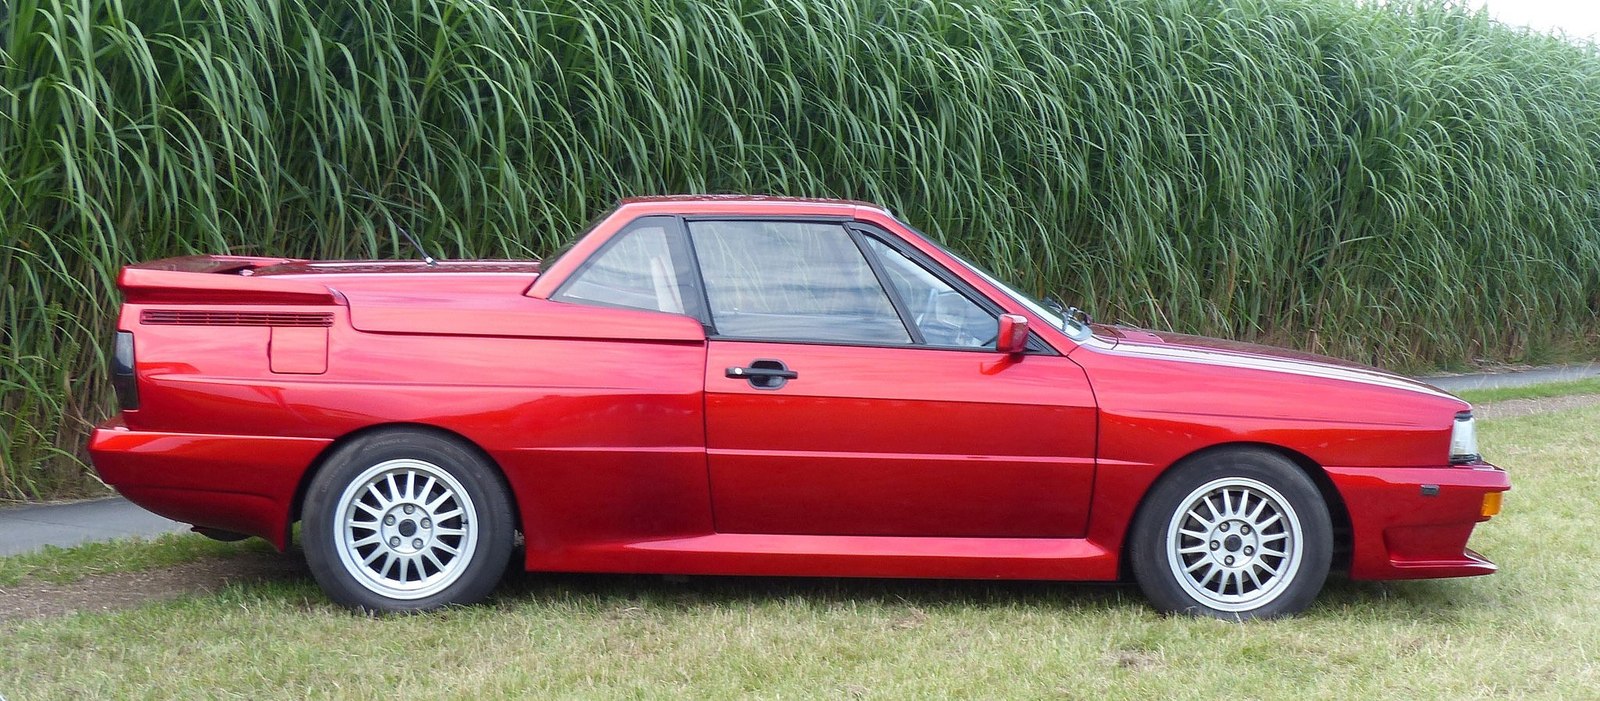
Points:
(1414, 523)
(243, 484)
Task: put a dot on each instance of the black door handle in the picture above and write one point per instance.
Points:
(754, 372)
(763, 374)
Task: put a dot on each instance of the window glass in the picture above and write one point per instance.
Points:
(792, 281)
(634, 271)
(944, 316)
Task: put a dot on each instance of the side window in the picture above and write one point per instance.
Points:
(944, 316)
(635, 271)
(793, 281)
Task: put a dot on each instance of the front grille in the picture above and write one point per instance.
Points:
(187, 317)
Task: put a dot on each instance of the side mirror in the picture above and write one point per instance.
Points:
(1013, 337)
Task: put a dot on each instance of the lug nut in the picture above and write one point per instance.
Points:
(388, 520)
(427, 523)
(1215, 545)
(417, 543)
(1245, 530)
(1228, 561)
(410, 508)
(1223, 527)
(1249, 550)
(394, 542)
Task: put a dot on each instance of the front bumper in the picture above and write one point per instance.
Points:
(242, 484)
(1414, 523)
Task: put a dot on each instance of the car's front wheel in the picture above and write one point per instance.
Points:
(407, 521)
(1234, 534)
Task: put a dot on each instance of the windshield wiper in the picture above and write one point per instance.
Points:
(1068, 314)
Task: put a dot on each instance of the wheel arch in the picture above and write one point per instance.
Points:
(1338, 511)
(298, 502)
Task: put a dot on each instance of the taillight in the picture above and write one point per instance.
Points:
(122, 377)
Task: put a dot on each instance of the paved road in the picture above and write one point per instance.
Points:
(1523, 378)
(29, 528)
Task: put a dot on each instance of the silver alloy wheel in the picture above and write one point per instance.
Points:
(405, 529)
(1234, 544)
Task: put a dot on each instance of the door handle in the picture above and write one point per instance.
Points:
(763, 374)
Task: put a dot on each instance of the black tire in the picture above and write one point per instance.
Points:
(1189, 559)
(352, 500)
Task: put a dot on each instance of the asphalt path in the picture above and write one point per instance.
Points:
(25, 529)
(1518, 378)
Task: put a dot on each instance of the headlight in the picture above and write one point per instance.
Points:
(1464, 440)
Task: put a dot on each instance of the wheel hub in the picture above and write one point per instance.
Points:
(402, 535)
(1231, 548)
(1234, 544)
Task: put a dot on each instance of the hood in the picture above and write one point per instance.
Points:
(1162, 345)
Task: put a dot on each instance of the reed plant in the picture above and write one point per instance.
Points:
(1410, 184)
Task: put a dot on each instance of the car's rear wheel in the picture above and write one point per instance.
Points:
(407, 521)
(1234, 534)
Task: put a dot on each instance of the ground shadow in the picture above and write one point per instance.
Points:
(714, 591)
(1410, 600)
(271, 574)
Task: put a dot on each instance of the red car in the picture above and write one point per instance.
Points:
(753, 386)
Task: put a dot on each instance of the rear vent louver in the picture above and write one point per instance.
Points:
(184, 317)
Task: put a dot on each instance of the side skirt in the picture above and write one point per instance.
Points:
(751, 554)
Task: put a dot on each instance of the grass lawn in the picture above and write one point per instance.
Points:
(1539, 391)
(64, 565)
(1530, 631)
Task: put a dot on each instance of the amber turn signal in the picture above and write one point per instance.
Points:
(1491, 504)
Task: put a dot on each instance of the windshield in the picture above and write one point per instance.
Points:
(1075, 329)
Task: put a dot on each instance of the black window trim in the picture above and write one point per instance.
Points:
(1036, 345)
(703, 293)
(882, 276)
(842, 222)
(692, 288)
(854, 227)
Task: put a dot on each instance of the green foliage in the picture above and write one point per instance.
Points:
(1407, 183)
(1541, 391)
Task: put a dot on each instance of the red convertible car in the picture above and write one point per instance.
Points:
(755, 386)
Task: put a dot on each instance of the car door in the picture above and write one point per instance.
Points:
(837, 404)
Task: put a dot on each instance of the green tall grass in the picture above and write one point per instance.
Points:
(1409, 184)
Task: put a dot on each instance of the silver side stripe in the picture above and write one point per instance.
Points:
(1293, 367)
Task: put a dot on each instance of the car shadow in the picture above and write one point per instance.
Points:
(1418, 600)
(1427, 600)
(718, 591)
(1422, 600)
